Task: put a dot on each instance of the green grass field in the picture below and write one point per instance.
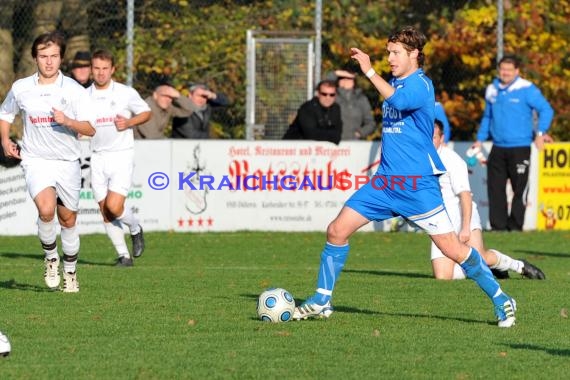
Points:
(187, 311)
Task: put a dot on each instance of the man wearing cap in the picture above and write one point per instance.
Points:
(81, 68)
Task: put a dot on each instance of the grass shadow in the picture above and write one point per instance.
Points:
(344, 309)
(40, 257)
(14, 285)
(388, 273)
(551, 351)
(354, 310)
(542, 253)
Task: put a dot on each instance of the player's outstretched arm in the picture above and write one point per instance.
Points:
(383, 87)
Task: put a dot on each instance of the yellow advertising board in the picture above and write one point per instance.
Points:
(554, 187)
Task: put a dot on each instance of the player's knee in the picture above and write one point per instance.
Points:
(335, 233)
(113, 211)
(68, 221)
(46, 217)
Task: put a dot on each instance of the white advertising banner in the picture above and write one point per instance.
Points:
(230, 185)
(152, 208)
(270, 185)
(18, 214)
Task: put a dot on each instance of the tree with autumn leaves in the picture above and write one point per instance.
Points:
(536, 31)
(204, 40)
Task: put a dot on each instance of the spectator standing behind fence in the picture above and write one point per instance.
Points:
(197, 125)
(54, 109)
(355, 109)
(508, 120)
(319, 118)
(165, 102)
(81, 68)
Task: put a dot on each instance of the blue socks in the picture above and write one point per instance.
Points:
(332, 262)
(333, 258)
(479, 272)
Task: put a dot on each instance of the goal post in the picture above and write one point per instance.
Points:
(280, 77)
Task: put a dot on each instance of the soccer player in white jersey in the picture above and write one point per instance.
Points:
(118, 108)
(464, 215)
(55, 109)
(406, 182)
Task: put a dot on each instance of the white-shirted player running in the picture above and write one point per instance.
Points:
(55, 109)
(464, 215)
(118, 108)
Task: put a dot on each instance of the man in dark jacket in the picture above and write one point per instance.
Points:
(319, 118)
(197, 125)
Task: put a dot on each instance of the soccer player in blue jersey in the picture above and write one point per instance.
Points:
(406, 183)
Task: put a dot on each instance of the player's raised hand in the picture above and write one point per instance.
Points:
(362, 58)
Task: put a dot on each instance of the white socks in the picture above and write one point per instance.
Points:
(70, 247)
(47, 234)
(117, 236)
(506, 263)
(458, 272)
(129, 218)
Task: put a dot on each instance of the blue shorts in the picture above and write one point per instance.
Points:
(385, 197)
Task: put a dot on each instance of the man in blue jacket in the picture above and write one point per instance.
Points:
(508, 120)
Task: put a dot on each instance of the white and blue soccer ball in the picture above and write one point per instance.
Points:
(5, 347)
(275, 305)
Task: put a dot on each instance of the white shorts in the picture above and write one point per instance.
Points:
(455, 216)
(64, 176)
(111, 171)
(436, 224)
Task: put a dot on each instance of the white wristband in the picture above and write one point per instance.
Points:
(370, 73)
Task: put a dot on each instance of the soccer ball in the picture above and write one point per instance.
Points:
(5, 347)
(275, 305)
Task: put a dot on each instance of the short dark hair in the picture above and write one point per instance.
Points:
(439, 126)
(412, 39)
(47, 39)
(104, 55)
(511, 58)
